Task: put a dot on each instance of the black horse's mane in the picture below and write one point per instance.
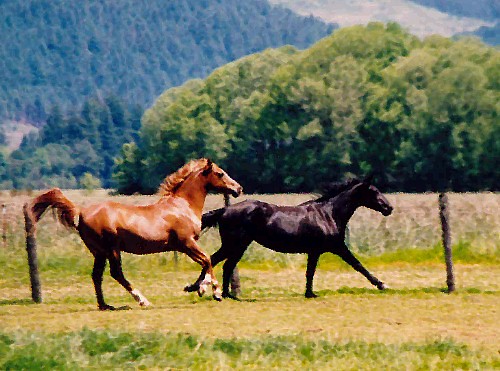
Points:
(333, 189)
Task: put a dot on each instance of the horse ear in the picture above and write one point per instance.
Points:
(208, 167)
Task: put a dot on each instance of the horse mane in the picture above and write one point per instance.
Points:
(334, 189)
(172, 182)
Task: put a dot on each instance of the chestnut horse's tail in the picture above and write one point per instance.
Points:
(211, 218)
(66, 210)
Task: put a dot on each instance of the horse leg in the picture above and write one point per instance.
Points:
(97, 273)
(115, 267)
(215, 259)
(227, 271)
(195, 253)
(350, 259)
(312, 262)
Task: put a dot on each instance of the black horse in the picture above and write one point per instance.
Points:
(312, 228)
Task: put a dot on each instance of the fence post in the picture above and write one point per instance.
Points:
(444, 216)
(4, 225)
(235, 276)
(36, 289)
(176, 260)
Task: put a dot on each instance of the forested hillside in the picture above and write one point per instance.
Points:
(420, 115)
(74, 149)
(62, 52)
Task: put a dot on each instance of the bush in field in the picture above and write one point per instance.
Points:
(89, 182)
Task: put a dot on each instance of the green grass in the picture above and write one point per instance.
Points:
(98, 349)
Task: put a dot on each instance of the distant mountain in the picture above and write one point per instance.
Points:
(418, 19)
(490, 35)
(483, 9)
(56, 52)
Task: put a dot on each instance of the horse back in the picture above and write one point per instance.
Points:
(280, 228)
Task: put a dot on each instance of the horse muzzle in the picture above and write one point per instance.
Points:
(386, 210)
(236, 192)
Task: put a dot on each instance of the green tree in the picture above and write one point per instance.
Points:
(53, 131)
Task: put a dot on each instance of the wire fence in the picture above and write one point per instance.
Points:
(414, 224)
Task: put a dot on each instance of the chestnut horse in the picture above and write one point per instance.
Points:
(173, 223)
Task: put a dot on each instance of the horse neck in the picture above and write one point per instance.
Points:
(194, 191)
(343, 207)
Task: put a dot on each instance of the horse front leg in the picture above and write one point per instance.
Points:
(194, 252)
(312, 262)
(350, 259)
(215, 259)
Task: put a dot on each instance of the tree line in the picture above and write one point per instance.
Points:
(419, 114)
(73, 149)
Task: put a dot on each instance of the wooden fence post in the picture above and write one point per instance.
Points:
(176, 260)
(235, 276)
(444, 216)
(36, 289)
(4, 225)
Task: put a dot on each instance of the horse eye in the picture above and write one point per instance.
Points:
(220, 175)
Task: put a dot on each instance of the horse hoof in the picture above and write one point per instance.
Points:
(145, 303)
(201, 291)
(191, 288)
(106, 307)
(217, 297)
(381, 286)
(310, 295)
(230, 296)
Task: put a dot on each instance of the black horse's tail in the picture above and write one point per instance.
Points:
(211, 219)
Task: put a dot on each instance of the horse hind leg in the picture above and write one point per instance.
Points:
(350, 259)
(228, 269)
(97, 274)
(115, 265)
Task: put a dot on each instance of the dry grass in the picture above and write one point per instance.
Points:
(414, 223)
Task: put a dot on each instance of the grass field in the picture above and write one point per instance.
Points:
(414, 325)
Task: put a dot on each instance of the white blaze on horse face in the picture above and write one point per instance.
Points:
(141, 299)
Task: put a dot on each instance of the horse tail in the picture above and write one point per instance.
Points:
(66, 211)
(211, 219)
